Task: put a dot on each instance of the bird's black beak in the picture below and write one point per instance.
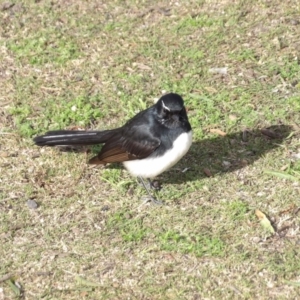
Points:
(175, 117)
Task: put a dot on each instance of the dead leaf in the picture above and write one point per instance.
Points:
(222, 71)
(244, 162)
(290, 209)
(264, 221)
(77, 128)
(207, 172)
(4, 154)
(259, 214)
(283, 168)
(217, 131)
(142, 66)
(270, 133)
(129, 69)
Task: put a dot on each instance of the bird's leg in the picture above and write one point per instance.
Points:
(149, 196)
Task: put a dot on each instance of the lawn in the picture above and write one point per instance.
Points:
(229, 228)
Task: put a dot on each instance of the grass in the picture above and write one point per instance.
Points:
(94, 65)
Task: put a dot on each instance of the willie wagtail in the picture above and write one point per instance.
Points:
(148, 144)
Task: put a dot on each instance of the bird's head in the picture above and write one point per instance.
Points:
(171, 111)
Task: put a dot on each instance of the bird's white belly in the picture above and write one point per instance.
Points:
(151, 167)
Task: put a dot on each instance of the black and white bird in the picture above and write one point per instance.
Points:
(151, 142)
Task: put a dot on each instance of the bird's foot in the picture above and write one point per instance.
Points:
(151, 199)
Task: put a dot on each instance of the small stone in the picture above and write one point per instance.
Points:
(226, 164)
(130, 192)
(32, 204)
(294, 22)
(256, 240)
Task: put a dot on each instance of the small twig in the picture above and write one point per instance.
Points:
(50, 88)
(142, 14)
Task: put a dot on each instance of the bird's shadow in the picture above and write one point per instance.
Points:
(225, 154)
(217, 155)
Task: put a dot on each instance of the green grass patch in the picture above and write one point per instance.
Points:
(79, 111)
(196, 244)
(45, 47)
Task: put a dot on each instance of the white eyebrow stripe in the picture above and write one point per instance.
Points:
(165, 107)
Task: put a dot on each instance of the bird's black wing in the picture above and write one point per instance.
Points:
(131, 143)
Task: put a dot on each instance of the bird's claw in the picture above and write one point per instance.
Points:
(149, 198)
